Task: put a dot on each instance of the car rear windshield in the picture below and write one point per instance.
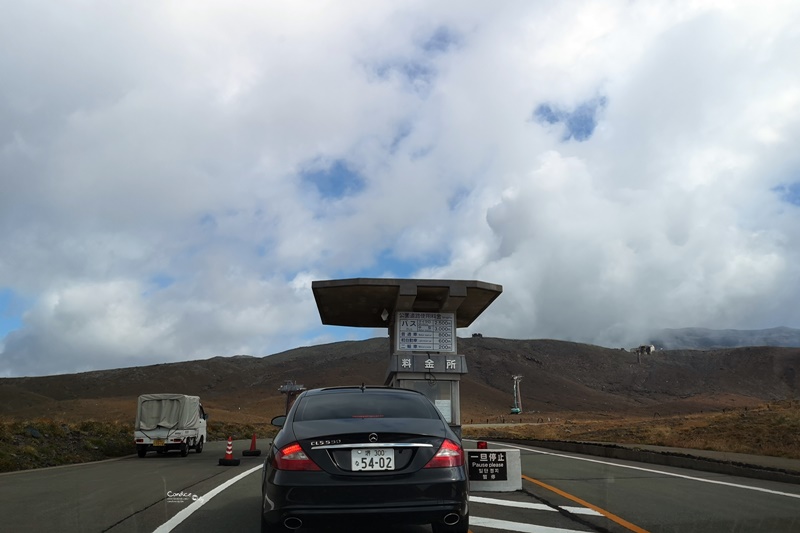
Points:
(364, 405)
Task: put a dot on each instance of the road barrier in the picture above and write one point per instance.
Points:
(252, 451)
(229, 460)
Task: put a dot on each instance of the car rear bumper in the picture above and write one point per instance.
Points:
(326, 499)
(452, 512)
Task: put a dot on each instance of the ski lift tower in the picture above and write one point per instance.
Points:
(422, 316)
(517, 409)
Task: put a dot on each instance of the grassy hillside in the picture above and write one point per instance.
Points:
(770, 429)
(669, 397)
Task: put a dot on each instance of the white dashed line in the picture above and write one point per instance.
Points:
(534, 506)
(516, 526)
(509, 503)
(581, 510)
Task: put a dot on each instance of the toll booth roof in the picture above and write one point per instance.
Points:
(360, 302)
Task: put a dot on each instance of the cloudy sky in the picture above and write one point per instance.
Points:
(175, 174)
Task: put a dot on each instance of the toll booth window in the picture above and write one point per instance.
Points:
(438, 392)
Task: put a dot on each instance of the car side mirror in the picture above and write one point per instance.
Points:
(279, 421)
(205, 417)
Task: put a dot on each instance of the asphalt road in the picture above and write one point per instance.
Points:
(561, 493)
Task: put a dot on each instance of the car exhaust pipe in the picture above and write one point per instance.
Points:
(451, 519)
(292, 523)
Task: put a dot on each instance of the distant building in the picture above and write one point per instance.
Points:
(643, 349)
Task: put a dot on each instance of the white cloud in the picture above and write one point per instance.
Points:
(151, 161)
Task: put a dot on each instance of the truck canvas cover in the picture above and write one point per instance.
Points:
(170, 411)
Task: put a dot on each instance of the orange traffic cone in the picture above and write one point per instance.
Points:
(228, 460)
(252, 451)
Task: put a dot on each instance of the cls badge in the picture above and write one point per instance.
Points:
(316, 443)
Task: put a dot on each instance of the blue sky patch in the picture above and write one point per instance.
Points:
(10, 311)
(157, 283)
(579, 123)
(336, 181)
(457, 197)
(442, 39)
(418, 76)
(418, 69)
(403, 131)
(545, 113)
(389, 265)
(208, 221)
(417, 72)
(162, 281)
(385, 265)
(421, 153)
(789, 193)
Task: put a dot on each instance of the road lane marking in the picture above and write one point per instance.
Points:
(579, 510)
(176, 520)
(611, 516)
(508, 503)
(653, 471)
(535, 506)
(517, 526)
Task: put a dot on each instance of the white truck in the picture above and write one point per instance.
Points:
(167, 422)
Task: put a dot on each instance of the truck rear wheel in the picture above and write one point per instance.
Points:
(184, 449)
(141, 450)
(198, 448)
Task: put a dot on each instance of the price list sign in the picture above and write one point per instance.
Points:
(425, 332)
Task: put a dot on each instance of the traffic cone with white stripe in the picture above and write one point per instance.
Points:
(228, 460)
(252, 451)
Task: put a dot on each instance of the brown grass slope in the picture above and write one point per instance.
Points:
(581, 391)
(558, 377)
(563, 376)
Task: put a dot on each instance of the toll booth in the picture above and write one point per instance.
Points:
(291, 389)
(421, 317)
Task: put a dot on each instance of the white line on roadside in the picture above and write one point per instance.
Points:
(176, 520)
(653, 471)
(516, 526)
(581, 510)
(534, 506)
(509, 503)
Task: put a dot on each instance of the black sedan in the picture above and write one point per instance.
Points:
(364, 454)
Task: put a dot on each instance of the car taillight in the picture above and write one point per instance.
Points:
(449, 455)
(292, 457)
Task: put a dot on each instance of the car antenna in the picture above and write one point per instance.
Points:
(362, 386)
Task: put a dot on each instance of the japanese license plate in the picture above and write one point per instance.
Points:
(372, 459)
(158, 442)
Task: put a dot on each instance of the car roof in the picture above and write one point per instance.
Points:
(359, 388)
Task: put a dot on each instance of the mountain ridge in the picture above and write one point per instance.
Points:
(707, 339)
(559, 377)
